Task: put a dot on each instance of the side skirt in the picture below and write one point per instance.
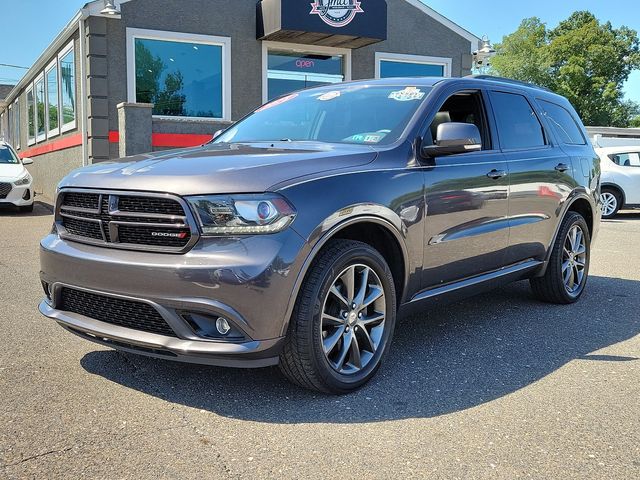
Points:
(470, 286)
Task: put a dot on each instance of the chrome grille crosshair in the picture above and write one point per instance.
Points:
(126, 220)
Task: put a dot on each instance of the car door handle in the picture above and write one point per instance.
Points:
(496, 174)
(562, 167)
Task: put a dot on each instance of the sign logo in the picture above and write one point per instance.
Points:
(337, 13)
(172, 235)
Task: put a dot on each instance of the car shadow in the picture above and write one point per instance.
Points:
(623, 215)
(40, 209)
(445, 360)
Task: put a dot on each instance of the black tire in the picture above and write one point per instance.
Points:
(618, 201)
(303, 360)
(26, 208)
(551, 287)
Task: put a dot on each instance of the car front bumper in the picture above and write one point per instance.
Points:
(21, 196)
(245, 280)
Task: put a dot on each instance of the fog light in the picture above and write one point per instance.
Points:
(222, 325)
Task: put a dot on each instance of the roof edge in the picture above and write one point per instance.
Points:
(451, 25)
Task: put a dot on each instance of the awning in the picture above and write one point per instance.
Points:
(333, 23)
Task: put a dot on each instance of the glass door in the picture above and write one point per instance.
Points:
(290, 71)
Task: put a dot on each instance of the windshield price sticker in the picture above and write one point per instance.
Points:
(407, 95)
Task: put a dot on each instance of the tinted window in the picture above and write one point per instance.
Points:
(626, 159)
(563, 123)
(518, 125)
(181, 79)
(390, 68)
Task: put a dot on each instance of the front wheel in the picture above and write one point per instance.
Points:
(568, 269)
(343, 320)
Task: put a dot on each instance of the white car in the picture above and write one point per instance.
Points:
(620, 178)
(16, 183)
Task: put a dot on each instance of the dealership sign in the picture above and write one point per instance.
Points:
(337, 13)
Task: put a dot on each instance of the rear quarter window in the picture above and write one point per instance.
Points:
(563, 123)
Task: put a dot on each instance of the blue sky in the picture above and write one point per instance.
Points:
(495, 19)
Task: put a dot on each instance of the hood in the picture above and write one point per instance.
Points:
(220, 168)
(11, 172)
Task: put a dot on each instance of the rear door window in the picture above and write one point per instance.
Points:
(518, 124)
(563, 123)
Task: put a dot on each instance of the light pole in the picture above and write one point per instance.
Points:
(482, 57)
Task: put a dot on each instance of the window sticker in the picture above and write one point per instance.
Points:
(277, 102)
(374, 137)
(329, 96)
(407, 95)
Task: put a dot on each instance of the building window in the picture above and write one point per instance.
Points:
(183, 75)
(9, 128)
(40, 110)
(288, 67)
(16, 124)
(68, 88)
(31, 118)
(390, 65)
(51, 77)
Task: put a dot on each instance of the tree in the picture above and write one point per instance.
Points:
(585, 60)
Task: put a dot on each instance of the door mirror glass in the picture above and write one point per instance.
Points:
(27, 161)
(217, 134)
(453, 138)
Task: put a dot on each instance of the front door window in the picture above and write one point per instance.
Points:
(289, 71)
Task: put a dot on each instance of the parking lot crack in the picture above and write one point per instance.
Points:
(35, 457)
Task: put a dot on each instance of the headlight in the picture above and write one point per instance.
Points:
(242, 214)
(23, 181)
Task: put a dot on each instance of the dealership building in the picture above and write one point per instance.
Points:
(131, 76)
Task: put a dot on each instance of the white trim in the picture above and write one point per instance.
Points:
(40, 137)
(65, 127)
(300, 48)
(10, 123)
(417, 59)
(454, 27)
(52, 65)
(30, 89)
(224, 42)
(16, 122)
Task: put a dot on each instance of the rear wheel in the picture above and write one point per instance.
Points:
(568, 269)
(343, 320)
(611, 202)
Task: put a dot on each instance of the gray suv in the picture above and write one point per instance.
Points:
(300, 234)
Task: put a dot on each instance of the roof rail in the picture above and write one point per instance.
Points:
(509, 80)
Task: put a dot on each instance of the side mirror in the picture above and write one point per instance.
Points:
(217, 134)
(452, 138)
(27, 161)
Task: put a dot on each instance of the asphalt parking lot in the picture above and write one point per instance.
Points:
(498, 386)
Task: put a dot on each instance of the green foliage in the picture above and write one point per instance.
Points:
(167, 99)
(582, 59)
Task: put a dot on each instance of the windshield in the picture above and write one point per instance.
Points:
(355, 114)
(7, 156)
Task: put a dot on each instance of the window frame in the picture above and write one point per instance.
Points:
(172, 36)
(16, 123)
(346, 54)
(30, 90)
(445, 62)
(65, 127)
(537, 113)
(40, 137)
(9, 116)
(51, 66)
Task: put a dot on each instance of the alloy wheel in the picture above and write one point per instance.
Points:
(609, 203)
(353, 319)
(574, 260)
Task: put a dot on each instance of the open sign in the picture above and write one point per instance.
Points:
(303, 63)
